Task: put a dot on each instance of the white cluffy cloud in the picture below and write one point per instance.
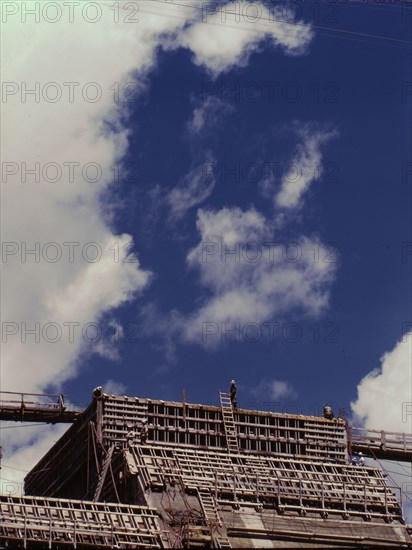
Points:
(208, 114)
(384, 399)
(384, 402)
(193, 189)
(248, 277)
(305, 167)
(114, 388)
(274, 389)
(228, 36)
(199, 182)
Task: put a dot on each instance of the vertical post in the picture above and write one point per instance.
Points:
(386, 501)
(364, 496)
(75, 533)
(99, 420)
(300, 494)
(216, 486)
(349, 436)
(323, 496)
(25, 533)
(279, 486)
(50, 533)
(344, 496)
(184, 403)
(89, 428)
(234, 487)
(257, 487)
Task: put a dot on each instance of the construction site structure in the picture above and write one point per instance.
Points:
(34, 407)
(206, 477)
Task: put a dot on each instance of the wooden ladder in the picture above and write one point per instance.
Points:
(103, 472)
(213, 520)
(229, 422)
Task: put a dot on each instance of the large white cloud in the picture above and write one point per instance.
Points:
(384, 402)
(384, 399)
(249, 276)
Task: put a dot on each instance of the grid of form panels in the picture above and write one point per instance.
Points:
(77, 523)
(289, 484)
(202, 426)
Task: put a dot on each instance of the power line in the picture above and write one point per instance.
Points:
(407, 497)
(409, 473)
(384, 7)
(296, 23)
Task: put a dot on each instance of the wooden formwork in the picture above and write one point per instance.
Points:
(68, 468)
(77, 524)
(215, 463)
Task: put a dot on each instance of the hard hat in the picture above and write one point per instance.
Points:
(233, 382)
(360, 453)
(144, 420)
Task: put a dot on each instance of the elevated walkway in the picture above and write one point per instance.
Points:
(381, 444)
(34, 407)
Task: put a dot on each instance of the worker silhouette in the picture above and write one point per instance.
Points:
(233, 394)
(327, 412)
(361, 459)
(144, 432)
(130, 436)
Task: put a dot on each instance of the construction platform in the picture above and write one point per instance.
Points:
(202, 476)
(34, 407)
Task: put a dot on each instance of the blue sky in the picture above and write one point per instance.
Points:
(360, 205)
(281, 132)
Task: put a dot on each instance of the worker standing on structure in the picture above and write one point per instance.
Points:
(144, 431)
(233, 394)
(130, 436)
(327, 412)
(98, 392)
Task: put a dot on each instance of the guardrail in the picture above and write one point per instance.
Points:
(35, 407)
(381, 444)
